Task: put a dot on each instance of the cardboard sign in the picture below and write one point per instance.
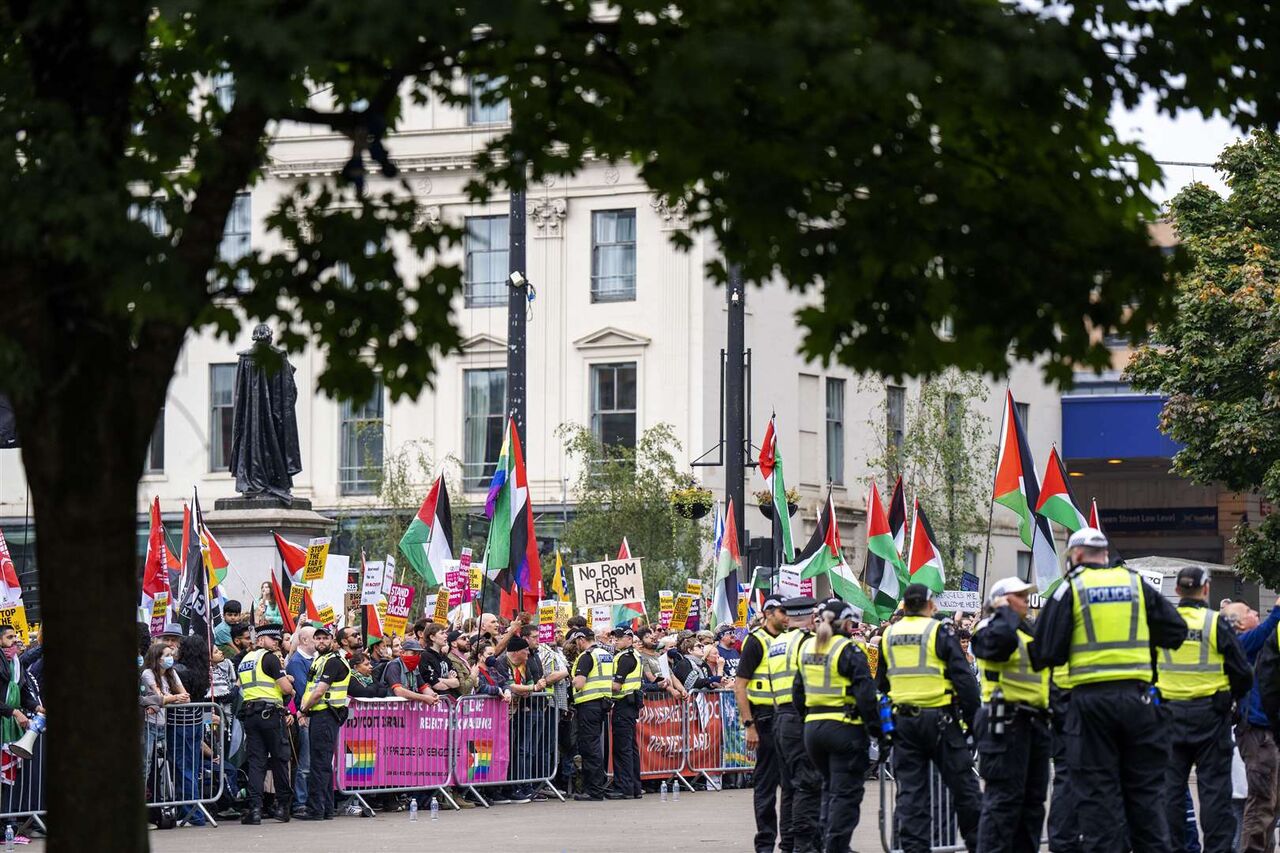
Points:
(477, 578)
(353, 582)
(693, 587)
(295, 598)
(398, 603)
(15, 615)
(953, 600)
(317, 554)
(681, 613)
(666, 604)
(546, 622)
(741, 621)
(440, 614)
(608, 583)
(374, 574)
(601, 617)
(159, 610)
(1156, 579)
(564, 610)
(388, 575)
(325, 616)
(791, 585)
(381, 607)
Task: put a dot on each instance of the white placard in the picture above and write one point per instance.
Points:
(953, 600)
(608, 583)
(788, 581)
(601, 617)
(374, 575)
(1156, 579)
(390, 577)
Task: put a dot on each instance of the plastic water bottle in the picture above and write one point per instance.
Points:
(675, 792)
(8, 838)
(413, 810)
(662, 791)
(435, 808)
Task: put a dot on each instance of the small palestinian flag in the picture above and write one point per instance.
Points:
(925, 561)
(428, 543)
(1057, 503)
(885, 565)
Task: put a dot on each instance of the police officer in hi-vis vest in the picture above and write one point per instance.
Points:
(626, 710)
(592, 689)
(1104, 621)
(761, 683)
(1198, 682)
(1012, 727)
(836, 697)
(324, 710)
(263, 688)
(926, 676)
(801, 783)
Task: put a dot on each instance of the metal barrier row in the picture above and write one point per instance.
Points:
(184, 761)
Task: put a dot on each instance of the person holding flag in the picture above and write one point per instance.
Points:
(926, 676)
(771, 470)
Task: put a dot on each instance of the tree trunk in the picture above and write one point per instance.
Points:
(83, 444)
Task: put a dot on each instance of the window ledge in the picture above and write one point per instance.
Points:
(154, 477)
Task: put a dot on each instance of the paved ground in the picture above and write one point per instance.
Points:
(706, 822)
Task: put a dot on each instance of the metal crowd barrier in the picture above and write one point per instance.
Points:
(944, 833)
(396, 746)
(184, 762)
(22, 792)
(716, 739)
(529, 728)
(662, 739)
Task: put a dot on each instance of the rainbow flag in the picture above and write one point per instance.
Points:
(361, 756)
(479, 760)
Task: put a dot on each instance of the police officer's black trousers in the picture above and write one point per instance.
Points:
(1015, 768)
(768, 775)
(1200, 735)
(1064, 832)
(324, 727)
(267, 746)
(797, 767)
(1117, 751)
(590, 721)
(839, 752)
(626, 757)
(932, 737)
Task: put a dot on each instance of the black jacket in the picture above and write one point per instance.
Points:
(27, 699)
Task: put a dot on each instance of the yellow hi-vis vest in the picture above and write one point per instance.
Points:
(1195, 669)
(255, 684)
(826, 691)
(336, 695)
(1110, 640)
(771, 683)
(600, 682)
(632, 682)
(1060, 676)
(917, 676)
(1015, 677)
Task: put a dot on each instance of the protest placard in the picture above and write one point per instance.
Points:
(317, 555)
(681, 613)
(741, 621)
(791, 585)
(666, 604)
(564, 610)
(388, 575)
(325, 615)
(440, 613)
(371, 591)
(952, 600)
(159, 613)
(546, 622)
(693, 587)
(601, 617)
(295, 598)
(398, 603)
(608, 583)
(15, 615)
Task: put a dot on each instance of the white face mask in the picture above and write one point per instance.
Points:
(166, 662)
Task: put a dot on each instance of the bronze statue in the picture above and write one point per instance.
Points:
(264, 432)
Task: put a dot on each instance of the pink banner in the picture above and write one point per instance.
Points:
(483, 740)
(393, 743)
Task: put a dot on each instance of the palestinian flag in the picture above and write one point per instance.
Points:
(898, 522)
(724, 595)
(512, 549)
(823, 554)
(771, 470)
(1016, 486)
(293, 559)
(193, 608)
(925, 560)
(1057, 503)
(155, 572)
(1094, 520)
(428, 543)
(632, 611)
(885, 566)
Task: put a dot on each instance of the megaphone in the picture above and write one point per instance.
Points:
(25, 746)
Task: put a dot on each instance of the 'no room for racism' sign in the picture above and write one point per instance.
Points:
(616, 582)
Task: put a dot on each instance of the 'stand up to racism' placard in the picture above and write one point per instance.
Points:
(617, 582)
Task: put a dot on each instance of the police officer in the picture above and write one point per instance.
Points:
(324, 710)
(1013, 725)
(834, 693)
(592, 687)
(263, 688)
(1197, 683)
(763, 679)
(1104, 620)
(926, 675)
(800, 781)
(626, 709)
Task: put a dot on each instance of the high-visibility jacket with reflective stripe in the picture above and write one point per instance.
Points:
(599, 683)
(336, 695)
(1015, 677)
(1195, 669)
(1060, 676)
(917, 676)
(1110, 640)
(255, 684)
(827, 693)
(771, 683)
(631, 683)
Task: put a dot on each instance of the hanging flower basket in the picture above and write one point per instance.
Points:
(692, 502)
(764, 500)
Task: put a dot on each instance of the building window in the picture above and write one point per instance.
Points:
(155, 450)
(486, 244)
(235, 234)
(613, 255)
(835, 431)
(896, 424)
(1024, 414)
(485, 404)
(613, 404)
(222, 392)
(485, 110)
(1024, 565)
(360, 467)
(224, 90)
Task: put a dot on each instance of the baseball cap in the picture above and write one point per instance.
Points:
(453, 636)
(1087, 537)
(1010, 586)
(580, 634)
(1193, 577)
(322, 631)
(771, 601)
(411, 646)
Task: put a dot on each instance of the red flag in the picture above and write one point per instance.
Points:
(624, 550)
(155, 572)
(1094, 521)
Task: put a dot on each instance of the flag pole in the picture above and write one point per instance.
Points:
(991, 509)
